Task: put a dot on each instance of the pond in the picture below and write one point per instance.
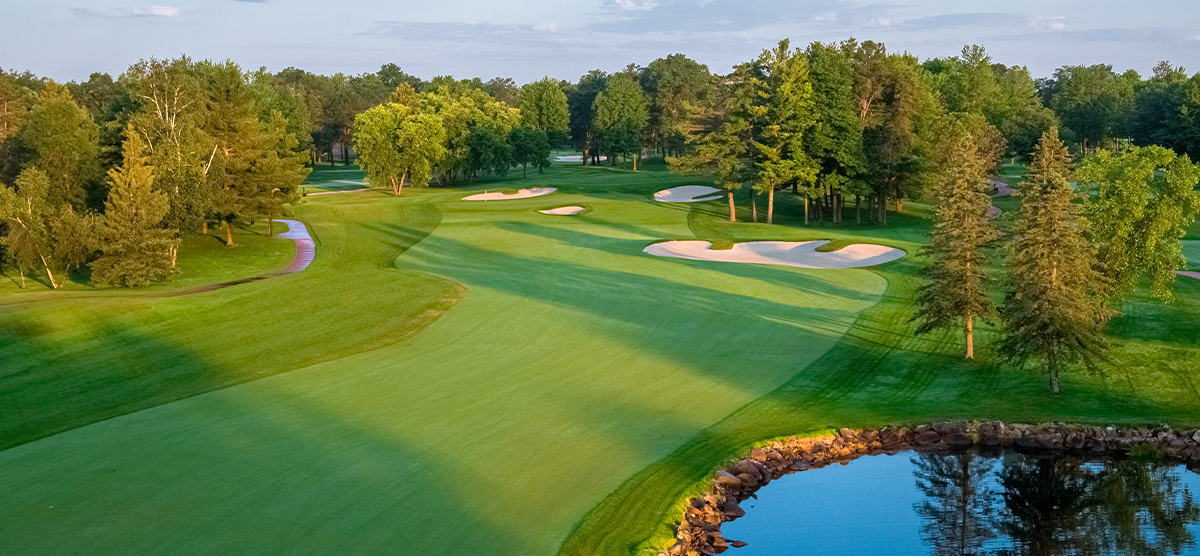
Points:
(980, 504)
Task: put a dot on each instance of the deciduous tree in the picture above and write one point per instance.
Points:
(1140, 203)
(621, 117)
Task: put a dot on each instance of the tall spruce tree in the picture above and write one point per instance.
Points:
(957, 292)
(1054, 309)
(835, 141)
(134, 249)
(783, 115)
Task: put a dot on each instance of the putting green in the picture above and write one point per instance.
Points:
(573, 361)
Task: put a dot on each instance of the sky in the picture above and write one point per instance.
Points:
(69, 39)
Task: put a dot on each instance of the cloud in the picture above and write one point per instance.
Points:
(253, 1)
(132, 11)
(965, 21)
(551, 27)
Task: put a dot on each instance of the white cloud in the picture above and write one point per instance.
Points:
(1051, 23)
(131, 11)
(635, 4)
(828, 16)
(551, 27)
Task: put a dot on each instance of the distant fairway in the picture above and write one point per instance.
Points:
(455, 377)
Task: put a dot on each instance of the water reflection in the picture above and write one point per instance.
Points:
(977, 504)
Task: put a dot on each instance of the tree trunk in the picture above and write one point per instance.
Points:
(635, 160)
(53, 284)
(753, 207)
(771, 206)
(228, 234)
(204, 228)
(899, 205)
(732, 209)
(21, 270)
(1052, 364)
(174, 255)
(858, 209)
(806, 210)
(271, 227)
(970, 337)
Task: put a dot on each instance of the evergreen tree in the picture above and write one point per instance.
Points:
(621, 117)
(1054, 309)
(134, 249)
(783, 115)
(581, 101)
(957, 292)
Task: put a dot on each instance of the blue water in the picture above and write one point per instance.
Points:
(910, 504)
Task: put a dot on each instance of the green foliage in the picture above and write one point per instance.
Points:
(1054, 309)
(621, 115)
(544, 108)
(65, 143)
(900, 114)
(677, 87)
(43, 235)
(464, 108)
(392, 76)
(957, 292)
(835, 140)
(134, 249)
(393, 143)
(1092, 101)
(1140, 203)
(172, 109)
(272, 98)
(782, 114)
(13, 109)
(581, 101)
(530, 147)
(489, 153)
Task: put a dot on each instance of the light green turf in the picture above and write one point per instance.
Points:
(574, 393)
(1191, 250)
(573, 361)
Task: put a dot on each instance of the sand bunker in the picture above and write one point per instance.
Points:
(688, 194)
(575, 158)
(522, 194)
(563, 211)
(801, 254)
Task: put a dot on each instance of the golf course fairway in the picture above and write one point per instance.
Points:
(453, 377)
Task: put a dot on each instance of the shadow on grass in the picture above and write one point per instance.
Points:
(877, 374)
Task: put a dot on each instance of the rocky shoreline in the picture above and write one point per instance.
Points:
(699, 530)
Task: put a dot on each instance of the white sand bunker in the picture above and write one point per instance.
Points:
(688, 194)
(563, 211)
(522, 194)
(802, 254)
(574, 158)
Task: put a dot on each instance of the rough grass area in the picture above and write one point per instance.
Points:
(571, 392)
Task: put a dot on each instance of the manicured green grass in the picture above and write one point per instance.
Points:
(574, 393)
(1191, 250)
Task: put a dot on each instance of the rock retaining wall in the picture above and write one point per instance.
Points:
(699, 531)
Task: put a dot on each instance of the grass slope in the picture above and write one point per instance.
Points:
(573, 362)
(577, 391)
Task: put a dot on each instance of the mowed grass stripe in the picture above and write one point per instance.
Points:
(572, 362)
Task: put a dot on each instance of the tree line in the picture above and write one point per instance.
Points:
(850, 127)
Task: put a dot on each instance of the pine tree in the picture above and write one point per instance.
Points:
(783, 115)
(1054, 309)
(135, 250)
(957, 292)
